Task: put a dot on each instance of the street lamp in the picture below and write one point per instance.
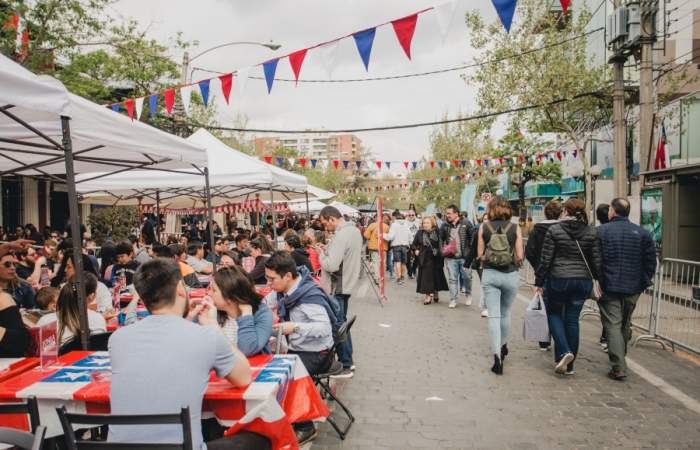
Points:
(186, 60)
(594, 172)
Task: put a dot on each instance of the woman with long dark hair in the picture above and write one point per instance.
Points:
(570, 261)
(66, 270)
(68, 312)
(431, 275)
(244, 319)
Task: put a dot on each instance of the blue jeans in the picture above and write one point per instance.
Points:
(455, 273)
(344, 348)
(389, 263)
(565, 299)
(500, 289)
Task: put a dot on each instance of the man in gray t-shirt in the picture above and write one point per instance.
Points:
(162, 363)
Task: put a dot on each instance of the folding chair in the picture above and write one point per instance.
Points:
(323, 379)
(97, 343)
(31, 408)
(73, 443)
(23, 439)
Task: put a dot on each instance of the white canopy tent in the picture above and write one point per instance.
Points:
(344, 209)
(314, 207)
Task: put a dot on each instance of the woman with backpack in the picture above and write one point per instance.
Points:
(500, 250)
(570, 261)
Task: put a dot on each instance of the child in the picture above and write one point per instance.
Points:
(46, 300)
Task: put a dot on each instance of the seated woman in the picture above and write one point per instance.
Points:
(229, 259)
(14, 336)
(260, 250)
(67, 312)
(244, 319)
(103, 297)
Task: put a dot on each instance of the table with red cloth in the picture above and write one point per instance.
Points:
(9, 367)
(282, 393)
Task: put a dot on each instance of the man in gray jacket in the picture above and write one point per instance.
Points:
(342, 261)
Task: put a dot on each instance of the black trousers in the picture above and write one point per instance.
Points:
(315, 363)
(412, 263)
(213, 434)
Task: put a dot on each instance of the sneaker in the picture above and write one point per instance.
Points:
(468, 300)
(453, 304)
(400, 280)
(306, 435)
(560, 368)
(617, 375)
(346, 373)
(604, 346)
(570, 372)
(352, 367)
(484, 313)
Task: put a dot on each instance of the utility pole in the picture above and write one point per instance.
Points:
(646, 86)
(619, 129)
(185, 67)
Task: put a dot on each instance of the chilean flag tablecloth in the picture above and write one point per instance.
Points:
(282, 393)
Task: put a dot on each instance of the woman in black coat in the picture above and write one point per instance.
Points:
(431, 276)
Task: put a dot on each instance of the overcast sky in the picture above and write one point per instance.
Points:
(296, 24)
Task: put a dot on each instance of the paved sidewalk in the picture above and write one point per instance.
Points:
(423, 381)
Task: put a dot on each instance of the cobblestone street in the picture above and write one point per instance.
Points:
(423, 381)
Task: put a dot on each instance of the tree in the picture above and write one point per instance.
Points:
(561, 70)
(115, 222)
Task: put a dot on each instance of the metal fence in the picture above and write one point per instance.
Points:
(670, 312)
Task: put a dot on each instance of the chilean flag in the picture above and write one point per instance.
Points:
(662, 159)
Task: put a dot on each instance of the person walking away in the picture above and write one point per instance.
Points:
(629, 263)
(341, 259)
(372, 235)
(431, 274)
(601, 212)
(533, 249)
(500, 249)
(475, 262)
(569, 262)
(455, 236)
(400, 237)
(413, 226)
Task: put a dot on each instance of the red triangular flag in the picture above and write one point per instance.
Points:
(478, 162)
(268, 159)
(336, 162)
(559, 155)
(296, 59)
(302, 162)
(432, 164)
(404, 29)
(169, 95)
(379, 164)
(129, 103)
(405, 164)
(565, 5)
(226, 81)
(455, 163)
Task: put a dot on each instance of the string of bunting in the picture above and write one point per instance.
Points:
(535, 158)
(248, 206)
(404, 28)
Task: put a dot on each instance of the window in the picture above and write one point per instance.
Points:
(690, 130)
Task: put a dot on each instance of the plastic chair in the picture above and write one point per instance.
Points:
(97, 343)
(31, 408)
(323, 379)
(72, 442)
(23, 439)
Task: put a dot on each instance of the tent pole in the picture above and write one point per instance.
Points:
(308, 214)
(75, 233)
(274, 215)
(210, 213)
(158, 216)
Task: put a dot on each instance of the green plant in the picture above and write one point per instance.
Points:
(115, 222)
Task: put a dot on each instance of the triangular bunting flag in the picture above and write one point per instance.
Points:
(291, 162)
(324, 164)
(565, 5)
(387, 164)
(226, 82)
(280, 161)
(346, 163)
(242, 76)
(405, 164)
(414, 164)
(463, 163)
(129, 103)
(336, 163)
(313, 163)
(432, 164)
(505, 10)
(455, 163)
(296, 59)
(327, 56)
(270, 68)
(444, 14)
(358, 164)
(204, 90)
(363, 41)
(169, 100)
(441, 164)
(186, 94)
(379, 164)
(139, 107)
(404, 29)
(268, 159)
(302, 162)
(153, 105)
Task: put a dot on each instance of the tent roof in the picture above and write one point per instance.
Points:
(102, 140)
(344, 209)
(314, 206)
(233, 175)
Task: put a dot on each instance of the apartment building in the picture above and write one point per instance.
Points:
(313, 145)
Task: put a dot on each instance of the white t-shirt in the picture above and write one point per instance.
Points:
(103, 298)
(96, 323)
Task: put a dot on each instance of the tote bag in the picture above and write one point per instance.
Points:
(535, 326)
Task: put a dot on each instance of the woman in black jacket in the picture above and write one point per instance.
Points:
(431, 276)
(569, 262)
(14, 336)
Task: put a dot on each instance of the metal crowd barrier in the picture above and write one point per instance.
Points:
(670, 312)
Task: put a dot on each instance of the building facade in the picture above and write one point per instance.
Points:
(313, 146)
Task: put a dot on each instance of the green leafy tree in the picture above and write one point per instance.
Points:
(116, 222)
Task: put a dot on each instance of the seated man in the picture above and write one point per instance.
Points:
(307, 314)
(162, 362)
(125, 264)
(242, 245)
(195, 258)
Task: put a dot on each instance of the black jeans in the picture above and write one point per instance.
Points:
(213, 434)
(315, 363)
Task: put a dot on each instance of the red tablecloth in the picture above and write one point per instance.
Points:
(281, 393)
(9, 367)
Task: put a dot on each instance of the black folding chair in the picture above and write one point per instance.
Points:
(97, 343)
(323, 379)
(31, 408)
(23, 439)
(73, 443)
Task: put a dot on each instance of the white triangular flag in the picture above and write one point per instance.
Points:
(444, 14)
(139, 107)
(186, 94)
(291, 162)
(327, 56)
(324, 164)
(242, 79)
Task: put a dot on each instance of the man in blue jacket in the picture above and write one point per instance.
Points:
(629, 263)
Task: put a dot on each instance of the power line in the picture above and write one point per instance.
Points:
(403, 126)
(422, 74)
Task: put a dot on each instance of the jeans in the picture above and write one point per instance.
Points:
(389, 263)
(500, 289)
(412, 263)
(456, 273)
(565, 299)
(344, 348)
(374, 264)
(616, 314)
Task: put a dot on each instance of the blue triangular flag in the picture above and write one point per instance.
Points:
(345, 164)
(388, 164)
(280, 161)
(363, 41)
(463, 163)
(358, 164)
(414, 164)
(115, 107)
(204, 89)
(270, 68)
(505, 10)
(313, 163)
(441, 164)
(153, 105)
(486, 162)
